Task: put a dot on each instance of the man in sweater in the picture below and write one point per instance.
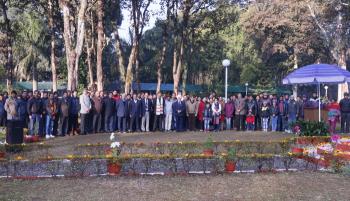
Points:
(96, 112)
(121, 109)
(85, 107)
(240, 106)
(191, 109)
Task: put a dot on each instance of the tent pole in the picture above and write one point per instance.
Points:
(319, 102)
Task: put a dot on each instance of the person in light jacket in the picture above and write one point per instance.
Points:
(121, 108)
(168, 110)
(240, 111)
(191, 110)
(216, 108)
(85, 107)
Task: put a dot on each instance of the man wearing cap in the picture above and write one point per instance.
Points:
(345, 113)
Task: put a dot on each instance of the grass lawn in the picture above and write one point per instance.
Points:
(308, 186)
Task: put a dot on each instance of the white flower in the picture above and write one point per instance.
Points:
(115, 144)
(112, 137)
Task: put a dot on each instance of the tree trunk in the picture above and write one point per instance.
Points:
(89, 48)
(119, 52)
(342, 88)
(53, 46)
(129, 74)
(100, 33)
(295, 87)
(73, 53)
(8, 52)
(35, 78)
(137, 67)
(164, 49)
(175, 79)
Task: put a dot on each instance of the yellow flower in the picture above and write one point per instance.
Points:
(180, 142)
(70, 156)
(237, 140)
(19, 158)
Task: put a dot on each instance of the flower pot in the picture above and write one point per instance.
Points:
(35, 138)
(114, 168)
(28, 139)
(208, 152)
(2, 154)
(108, 152)
(303, 140)
(230, 166)
(296, 150)
(343, 147)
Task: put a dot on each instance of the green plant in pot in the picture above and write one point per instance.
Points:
(231, 160)
(209, 147)
(114, 162)
(2, 151)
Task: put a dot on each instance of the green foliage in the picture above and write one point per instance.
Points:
(209, 143)
(312, 128)
(231, 155)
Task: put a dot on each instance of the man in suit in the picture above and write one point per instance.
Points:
(121, 113)
(134, 108)
(179, 110)
(109, 106)
(158, 112)
(145, 113)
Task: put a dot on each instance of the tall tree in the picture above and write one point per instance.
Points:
(73, 40)
(100, 44)
(51, 9)
(8, 41)
(168, 5)
(139, 18)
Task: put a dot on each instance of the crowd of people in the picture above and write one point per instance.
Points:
(48, 115)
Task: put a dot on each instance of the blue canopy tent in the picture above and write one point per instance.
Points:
(318, 74)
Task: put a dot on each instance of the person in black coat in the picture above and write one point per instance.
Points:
(345, 113)
(135, 113)
(109, 107)
(34, 109)
(179, 110)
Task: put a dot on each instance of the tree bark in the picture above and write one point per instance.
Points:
(100, 39)
(165, 47)
(73, 53)
(119, 52)
(53, 46)
(8, 51)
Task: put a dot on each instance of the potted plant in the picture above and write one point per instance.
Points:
(208, 147)
(2, 151)
(114, 162)
(231, 160)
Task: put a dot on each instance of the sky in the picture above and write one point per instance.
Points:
(154, 9)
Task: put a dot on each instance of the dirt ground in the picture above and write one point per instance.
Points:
(65, 145)
(309, 186)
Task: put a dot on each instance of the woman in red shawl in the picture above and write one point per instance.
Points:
(200, 110)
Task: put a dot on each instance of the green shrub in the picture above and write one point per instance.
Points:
(310, 128)
(209, 144)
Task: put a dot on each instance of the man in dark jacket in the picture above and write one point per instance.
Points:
(3, 114)
(145, 113)
(64, 113)
(34, 109)
(345, 113)
(96, 112)
(73, 113)
(109, 107)
(121, 113)
(292, 111)
(135, 113)
(179, 110)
